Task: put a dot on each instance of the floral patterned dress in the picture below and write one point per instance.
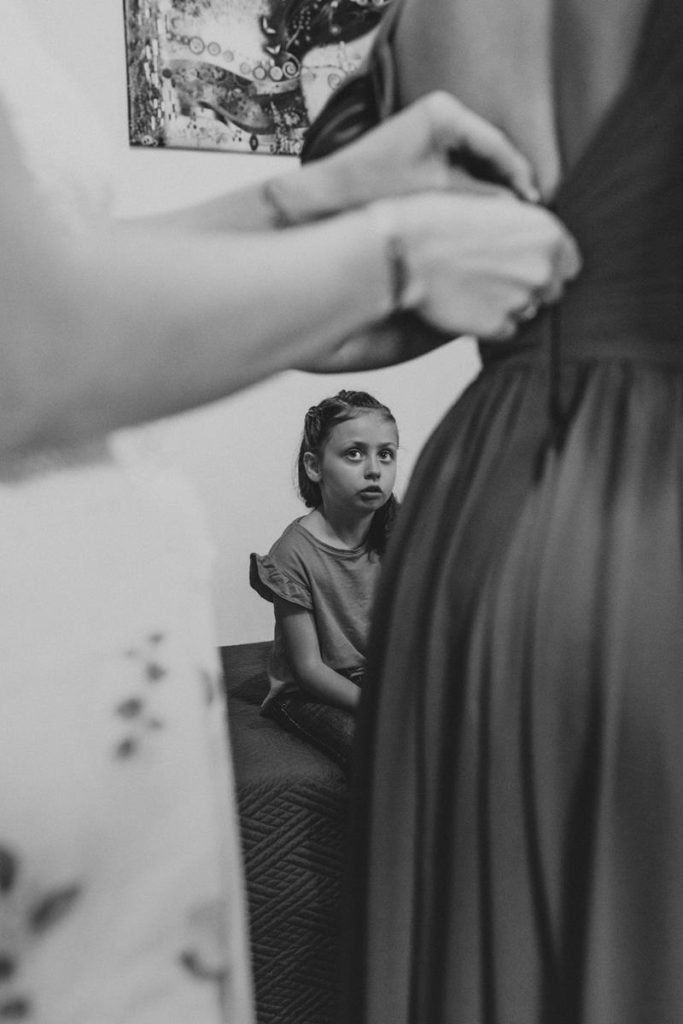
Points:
(121, 896)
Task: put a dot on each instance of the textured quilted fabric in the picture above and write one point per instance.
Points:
(292, 801)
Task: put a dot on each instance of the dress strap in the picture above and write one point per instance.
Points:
(363, 100)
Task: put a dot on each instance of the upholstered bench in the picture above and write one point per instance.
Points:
(292, 803)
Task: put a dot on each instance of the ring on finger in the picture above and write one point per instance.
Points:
(529, 311)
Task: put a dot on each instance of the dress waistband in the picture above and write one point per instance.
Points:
(543, 340)
(546, 344)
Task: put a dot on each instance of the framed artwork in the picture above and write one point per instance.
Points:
(241, 75)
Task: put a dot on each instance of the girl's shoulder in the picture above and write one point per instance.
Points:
(294, 548)
(299, 538)
(293, 539)
(299, 552)
(285, 571)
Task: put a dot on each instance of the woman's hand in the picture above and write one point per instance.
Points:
(435, 143)
(477, 264)
(465, 265)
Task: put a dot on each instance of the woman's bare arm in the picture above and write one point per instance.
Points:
(121, 325)
(417, 150)
(124, 324)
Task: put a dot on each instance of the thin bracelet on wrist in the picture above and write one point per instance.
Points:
(279, 216)
(385, 222)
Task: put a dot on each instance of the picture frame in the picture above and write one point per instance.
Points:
(239, 75)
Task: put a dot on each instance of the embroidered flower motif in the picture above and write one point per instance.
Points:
(196, 966)
(210, 684)
(52, 907)
(130, 708)
(23, 918)
(15, 1009)
(154, 671)
(127, 747)
(206, 956)
(9, 867)
(136, 709)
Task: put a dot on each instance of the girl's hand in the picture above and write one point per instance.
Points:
(477, 264)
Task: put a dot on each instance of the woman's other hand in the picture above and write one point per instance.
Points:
(476, 264)
(458, 264)
(435, 143)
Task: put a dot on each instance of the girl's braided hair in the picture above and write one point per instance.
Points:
(318, 424)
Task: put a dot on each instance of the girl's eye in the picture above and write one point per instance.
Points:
(387, 455)
(354, 454)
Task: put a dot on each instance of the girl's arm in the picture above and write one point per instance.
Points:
(303, 649)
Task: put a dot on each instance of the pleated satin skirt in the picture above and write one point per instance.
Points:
(517, 834)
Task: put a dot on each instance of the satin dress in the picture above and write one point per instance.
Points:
(517, 834)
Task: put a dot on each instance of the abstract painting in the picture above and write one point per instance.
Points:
(241, 75)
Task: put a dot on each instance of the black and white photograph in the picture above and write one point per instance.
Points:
(341, 511)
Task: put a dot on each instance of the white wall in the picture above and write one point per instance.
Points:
(239, 453)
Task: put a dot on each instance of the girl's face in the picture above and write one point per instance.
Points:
(356, 469)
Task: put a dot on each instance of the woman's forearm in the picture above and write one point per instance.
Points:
(415, 150)
(129, 323)
(299, 196)
(138, 323)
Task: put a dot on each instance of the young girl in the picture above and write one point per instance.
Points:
(321, 573)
